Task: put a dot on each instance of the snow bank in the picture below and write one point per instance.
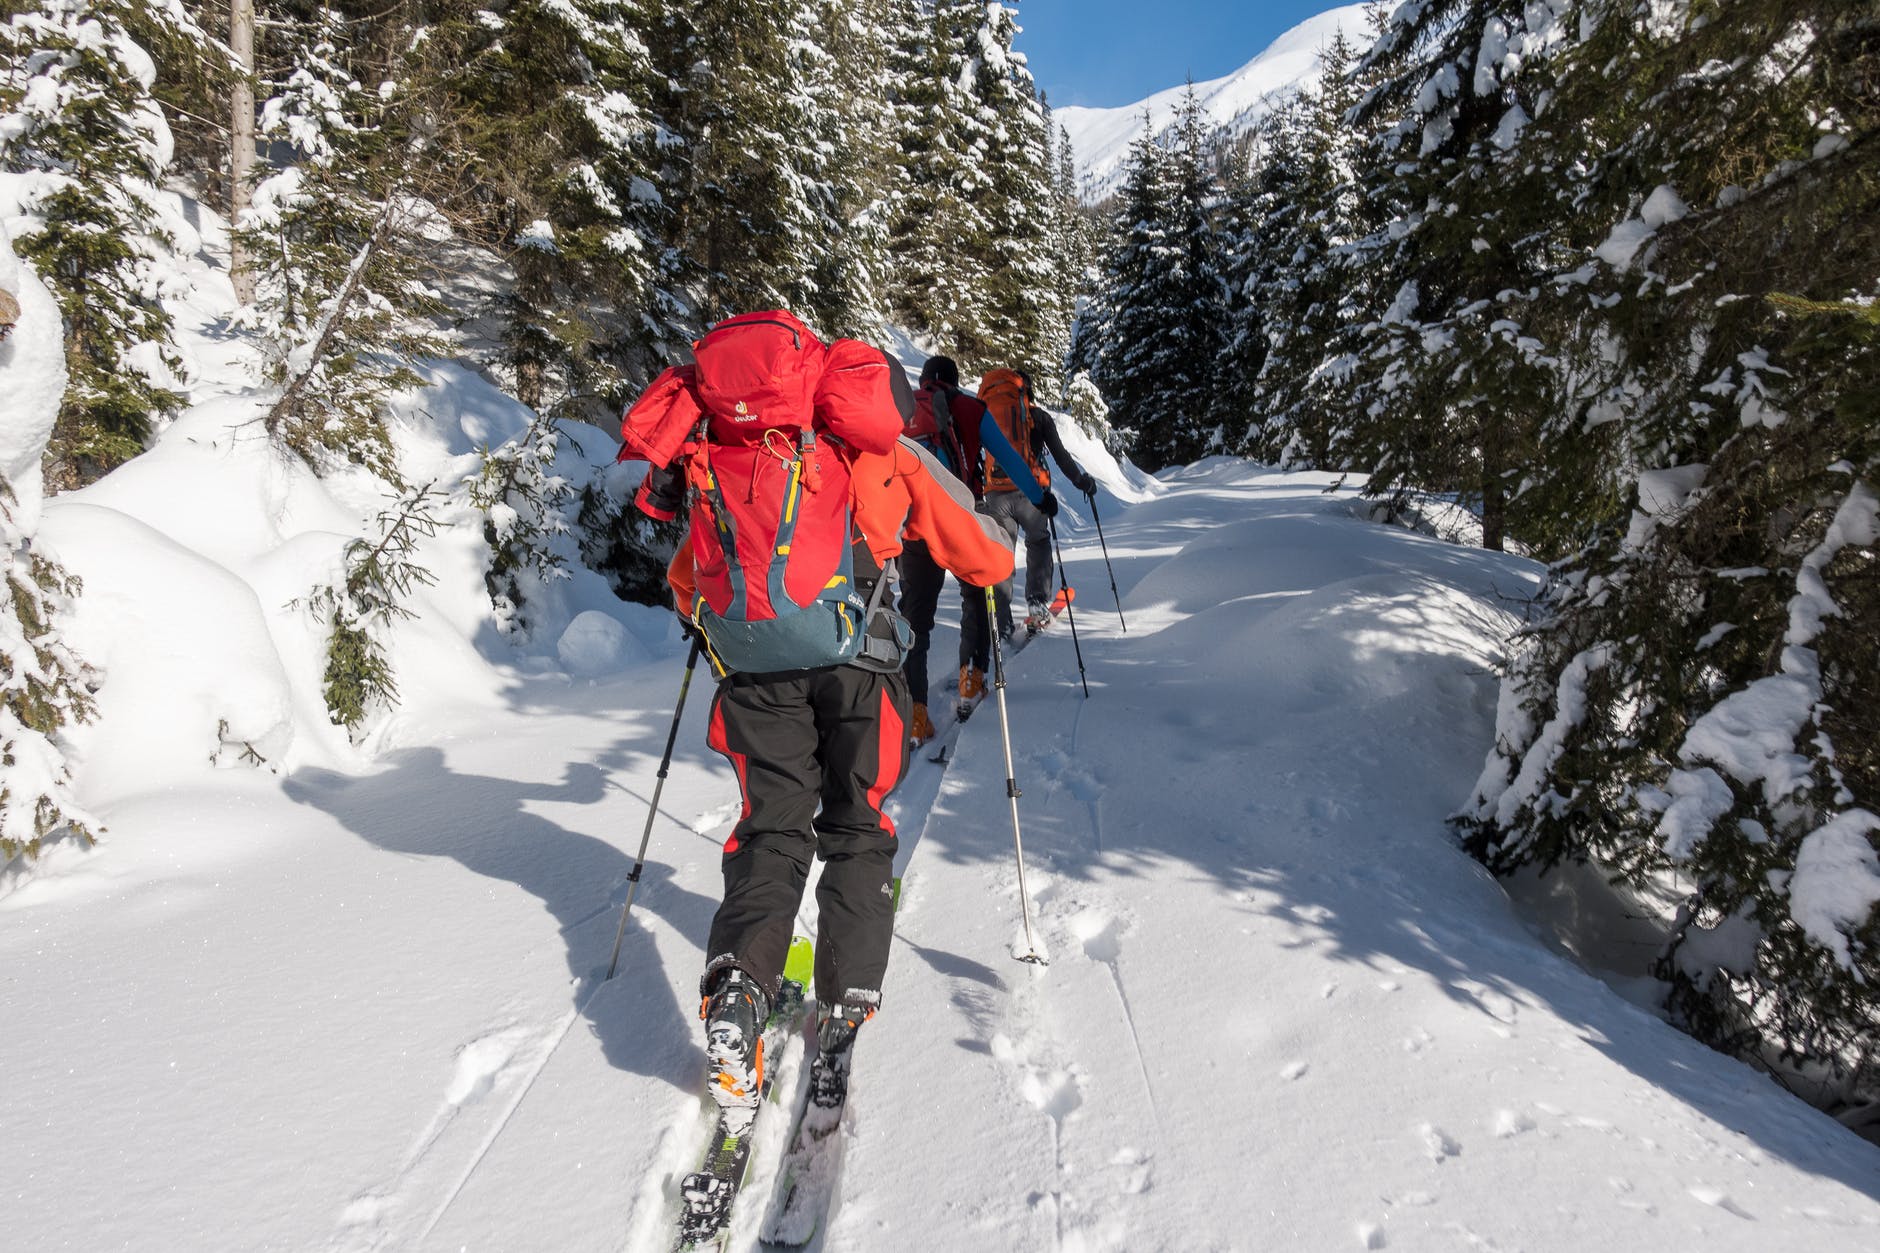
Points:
(32, 378)
(190, 671)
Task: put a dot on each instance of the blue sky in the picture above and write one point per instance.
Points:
(1114, 52)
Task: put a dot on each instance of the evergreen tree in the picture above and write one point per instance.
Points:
(43, 688)
(754, 208)
(336, 237)
(84, 126)
(1163, 304)
(1697, 698)
(1073, 246)
(1306, 283)
(940, 280)
(849, 79)
(1019, 321)
(551, 103)
(1263, 198)
(1123, 318)
(1452, 387)
(360, 610)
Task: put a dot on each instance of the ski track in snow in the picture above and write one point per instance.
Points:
(504, 1060)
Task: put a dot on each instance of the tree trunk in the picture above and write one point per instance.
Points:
(1494, 495)
(241, 41)
(529, 383)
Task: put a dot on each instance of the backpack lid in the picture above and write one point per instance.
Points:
(855, 398)
(758, 372)
(1002, 387)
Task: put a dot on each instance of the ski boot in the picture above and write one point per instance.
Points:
(829, 1073)
(1037, 618)
(972, 690)
(734, 1015)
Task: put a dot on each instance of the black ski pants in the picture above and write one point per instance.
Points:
(975, 638)
(921, 580)
(817, 752)
(975, 628)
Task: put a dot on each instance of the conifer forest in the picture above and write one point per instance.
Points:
(1598, 276)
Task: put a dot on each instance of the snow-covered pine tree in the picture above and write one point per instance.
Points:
(1303, 283)
(1263, 197)
(1163, 304)
(753, 212)
(550, 109)
(1087, 408)
(335, 231)
(940, 283)
(1019, 321)
(43, 688)
(848, 62)
(360, 609)
(1696, 709)
(81, 125)
(1120, 326)
(1451, 386)
(1073, 243)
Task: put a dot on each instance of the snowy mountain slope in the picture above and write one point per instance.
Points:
(1100, 138)
(356, 1007)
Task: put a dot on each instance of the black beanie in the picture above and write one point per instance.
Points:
(942, 370)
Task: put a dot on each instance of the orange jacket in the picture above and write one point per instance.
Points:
(902, 494)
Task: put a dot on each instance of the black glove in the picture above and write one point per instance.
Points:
(1088, 484)
(662, 495)
(1049, 505)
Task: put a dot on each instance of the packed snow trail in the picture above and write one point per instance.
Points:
(335, 1009)
(1283, 1010)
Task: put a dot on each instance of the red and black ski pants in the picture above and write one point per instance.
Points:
(817, 752)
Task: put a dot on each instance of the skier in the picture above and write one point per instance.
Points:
(957, 429)
(1023, 503)
(817, 747)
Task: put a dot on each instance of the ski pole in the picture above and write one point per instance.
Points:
(1092, 498)
(1011, 782)
(652, 810)
(1070, 610)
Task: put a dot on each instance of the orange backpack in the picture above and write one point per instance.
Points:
(1003, 394)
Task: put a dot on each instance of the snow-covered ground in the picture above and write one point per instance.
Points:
(1100, 138)
(356, 1004)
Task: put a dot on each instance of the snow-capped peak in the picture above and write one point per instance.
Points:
(1101, 137)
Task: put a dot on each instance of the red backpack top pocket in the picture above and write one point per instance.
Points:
(855, 399)
(756, 373)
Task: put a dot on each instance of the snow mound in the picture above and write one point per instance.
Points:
(596, 643)
(191, 673)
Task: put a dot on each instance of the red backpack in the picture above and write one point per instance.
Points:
(1003, 393)
(933, 428)
(761, 422)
